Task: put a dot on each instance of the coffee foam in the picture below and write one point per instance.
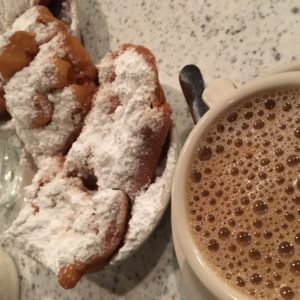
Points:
(243, 195)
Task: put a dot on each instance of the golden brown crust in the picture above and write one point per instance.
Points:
(84, 69)
(63, 72)
(83, 95)
(43, 111)
(2, 103)
(74, 70)
(17, 54)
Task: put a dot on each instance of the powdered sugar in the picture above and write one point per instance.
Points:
(109, 144)
(149, 206)
(28, 21)
(39, 77)
(71, 225)
(4, 39)
(146, 213)
(134, 86)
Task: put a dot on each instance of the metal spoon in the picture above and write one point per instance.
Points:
(192, 85)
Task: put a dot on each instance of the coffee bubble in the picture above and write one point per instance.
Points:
(278, 152)
(296, 199)
(223, 233)
(240, 281)
(204, 153)
(297, 132)
(234, 171)
(258, 124)
(269, 104)
(232, 117)
(286, 292)
(254, 254)
(293, 160)
(279, 167)
(280, 180)
(297, 183)
(295, 267)
(213, 245)
(219, 149)
(243, 238)
(289, 189)
(260, 207)
(195, 175)
(271, 116)
(256, 278)
(269, 284)
(264, 161)
(297, 238)
(286, 107)
(279, 264)
(286, 249)
(289, 217)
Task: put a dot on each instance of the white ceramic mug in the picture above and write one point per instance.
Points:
(219, 96)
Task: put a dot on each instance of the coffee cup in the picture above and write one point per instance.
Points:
(223, 97)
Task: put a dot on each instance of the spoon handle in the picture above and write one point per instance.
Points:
(192, 85)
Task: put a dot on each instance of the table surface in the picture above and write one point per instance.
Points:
(232, 39)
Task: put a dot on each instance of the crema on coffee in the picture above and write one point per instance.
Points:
(243, 195)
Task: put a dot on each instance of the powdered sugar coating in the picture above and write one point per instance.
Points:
(39, 77)
(44, 31)
(110, 143)
(76, 221)
(149, 206)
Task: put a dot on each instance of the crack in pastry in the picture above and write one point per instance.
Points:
(78, 206)
(49, 98)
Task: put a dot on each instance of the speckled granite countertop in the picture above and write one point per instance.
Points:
(234, 39)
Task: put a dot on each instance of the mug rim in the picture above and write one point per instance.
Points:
(214, 282)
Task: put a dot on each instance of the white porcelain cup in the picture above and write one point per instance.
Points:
(219, 96)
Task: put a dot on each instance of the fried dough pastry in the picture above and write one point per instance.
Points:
(124, 132)
(19, 46)
(49, 98)
(71, 230)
